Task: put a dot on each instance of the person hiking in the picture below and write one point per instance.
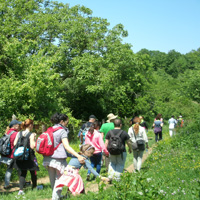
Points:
(159, 115)
(71, 177)
(109, 125)
(31, 162)
(118, 155)
(13, 129)
(56, 163)
(85, 127)
(180, 121)
(172, 124)
(157, 125)
(138, 133)
(143, 123)
(94, 138)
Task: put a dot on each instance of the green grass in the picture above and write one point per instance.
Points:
(170, 172)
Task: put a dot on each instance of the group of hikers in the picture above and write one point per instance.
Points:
(173, 123)
(99, 143)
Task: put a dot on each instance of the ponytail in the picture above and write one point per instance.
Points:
(26, 123)
(136, 122)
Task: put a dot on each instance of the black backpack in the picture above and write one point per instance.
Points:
(5, 148)
(22, 147)
(115, 145)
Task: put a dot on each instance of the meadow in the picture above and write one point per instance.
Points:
(170, 172)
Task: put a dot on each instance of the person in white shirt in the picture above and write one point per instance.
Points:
(137, 132)
(172, 123)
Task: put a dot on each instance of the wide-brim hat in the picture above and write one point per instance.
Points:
(111, 116)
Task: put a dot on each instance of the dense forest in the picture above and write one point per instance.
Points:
(57, 58)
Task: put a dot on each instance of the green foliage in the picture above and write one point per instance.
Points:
(170, 172)
(53, 57)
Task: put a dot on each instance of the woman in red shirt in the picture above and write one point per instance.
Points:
(14, 127)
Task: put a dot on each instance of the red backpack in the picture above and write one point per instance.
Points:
(45, 142)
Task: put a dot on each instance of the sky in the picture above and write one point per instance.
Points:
(161, 25)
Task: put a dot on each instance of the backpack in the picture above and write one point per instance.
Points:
(22, 148)
(5, 148)
(115, 145)
(45, 142)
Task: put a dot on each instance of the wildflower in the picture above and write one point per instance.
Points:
(182, 181)
(161, 191)
(140, 193)
(148, 180)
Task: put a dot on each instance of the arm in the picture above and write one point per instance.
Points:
(70, 150)
(129, 143)
(89, 167)
(145, 138)
(32, 140)
(106, 143)
(104, 148)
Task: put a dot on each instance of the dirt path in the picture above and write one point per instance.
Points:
(145, 155)
(15, 185)
(92, 187)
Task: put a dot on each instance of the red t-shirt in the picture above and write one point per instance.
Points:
(12, 139)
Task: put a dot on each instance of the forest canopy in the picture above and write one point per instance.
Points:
(57, 58)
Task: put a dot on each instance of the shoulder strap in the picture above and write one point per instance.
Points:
(19, 139)
(57, 128)
(27, 140)
(10, 133)
(118, 134)
(134, 133)
(111, 133)
(28, 135)
(54, 130)
(20, 135)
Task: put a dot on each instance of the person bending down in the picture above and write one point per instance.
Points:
(71, 177)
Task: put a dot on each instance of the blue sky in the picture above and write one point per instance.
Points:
(160, 25)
